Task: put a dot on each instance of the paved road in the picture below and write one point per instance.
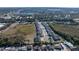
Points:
(41, 32)
(44, 34)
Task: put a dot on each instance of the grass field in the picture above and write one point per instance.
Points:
(25, 30)
(72, 30)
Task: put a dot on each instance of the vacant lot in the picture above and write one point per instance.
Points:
(27, 31)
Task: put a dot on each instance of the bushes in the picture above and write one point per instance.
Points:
(17, 40)
(4, 42)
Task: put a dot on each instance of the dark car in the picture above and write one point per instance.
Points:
(29, 48)
(49, 47)
(36, 48)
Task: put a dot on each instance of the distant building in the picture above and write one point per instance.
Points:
(76, 20)
(6, 16)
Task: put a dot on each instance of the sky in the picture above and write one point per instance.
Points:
(39, 3)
